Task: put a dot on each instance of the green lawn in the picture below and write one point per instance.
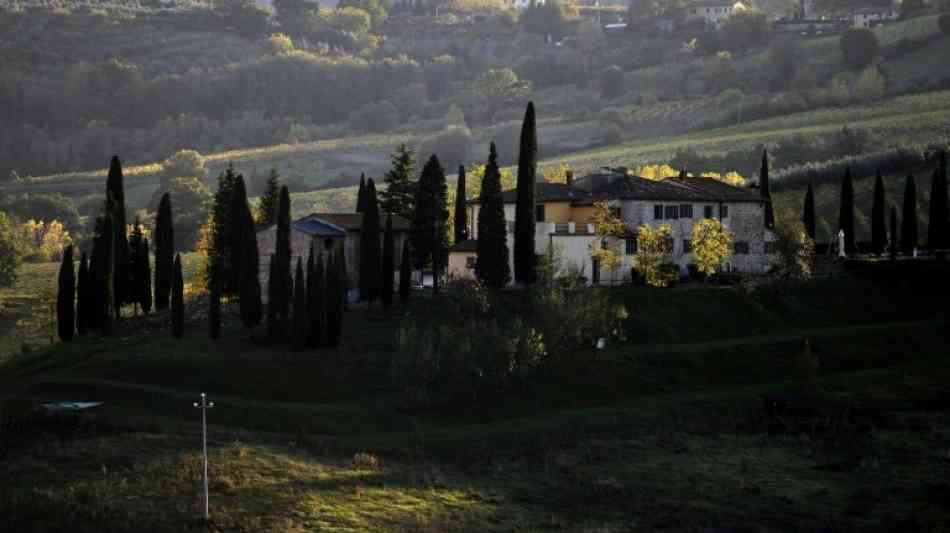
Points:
(662, 432)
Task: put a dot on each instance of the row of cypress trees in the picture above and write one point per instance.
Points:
(377, 262)
(117, 271)
(903, 235)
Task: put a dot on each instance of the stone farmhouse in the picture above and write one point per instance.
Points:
(329, 231)
(714, 12)
(564, 212)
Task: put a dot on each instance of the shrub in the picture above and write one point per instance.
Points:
(859, 47)
(10, 251)
(375, 117)
(278, 43)
(870, 86)
(452, 145)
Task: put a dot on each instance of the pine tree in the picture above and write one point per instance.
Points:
(765, 190)
(219, 256)
(430, 218)
(399, 196)
(178, 300)
(894, 241)
(878, 217)
(115, 204)
(369, 247)
(214, 308)
(300, 309)
(145, 273)
(388, 267)
(909, 217)
(846, 211)
(164, 253)
(808, 212)
(405, 273)
(937, 237)
(285, 286)
(461, 213)
(525, 258)
(316, 306)
(83, 304)
(492, 252)
(361, 195)
(65, 297)
(105, 286)
(269, 200)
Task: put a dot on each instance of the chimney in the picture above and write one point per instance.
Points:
(569, 177)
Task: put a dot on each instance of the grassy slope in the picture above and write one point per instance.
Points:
(657, 435)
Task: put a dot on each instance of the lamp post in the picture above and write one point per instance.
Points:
(204, 406)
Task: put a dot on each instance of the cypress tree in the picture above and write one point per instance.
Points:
(808, 211)
(389, 267)
(878, 217)
(93, 296)
(65, 297)
(214, 308)
(492, 252)
(245, 262)
(405, 273)
(270, 199)
(937, 224)
(461, 215)
(178, 300)
(369, 247)
(82, 304)
(219, 256)
(361, 195)
(300, 309)
(164, 253)
(894, 241)
(135, 242)
(115, 204)
(240, 213)
(285, 286)
(316, 307)
(909, 217)
(846, 211)
(398, 197)
(431, 216)
(525, 257)
(274, 333)
(344, 276)
(105, 288)
(145, 273)
(765, 190)
(334, 304)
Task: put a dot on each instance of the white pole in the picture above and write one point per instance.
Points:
(204, 406)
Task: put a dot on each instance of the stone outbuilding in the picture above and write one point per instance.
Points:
(330, 231)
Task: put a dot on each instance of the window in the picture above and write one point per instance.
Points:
(708, 211)
(741, 247)
(672, 212)
(770, 248)
(617, 212)
(687, 246)
(539, 213)
(723, 211)
(658, 212)
(631, 245)
(686, 211)
(470, 261)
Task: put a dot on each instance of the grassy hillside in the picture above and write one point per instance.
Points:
(652, 436)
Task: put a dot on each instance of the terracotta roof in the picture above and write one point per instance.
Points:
(470, 245)
(614, 186)
(545, 192)
(354, 221)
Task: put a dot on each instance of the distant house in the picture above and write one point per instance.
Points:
(714, 12)
(806, 27)
(329, 231)
(564, 213)
(525, 4)
(869, 17)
